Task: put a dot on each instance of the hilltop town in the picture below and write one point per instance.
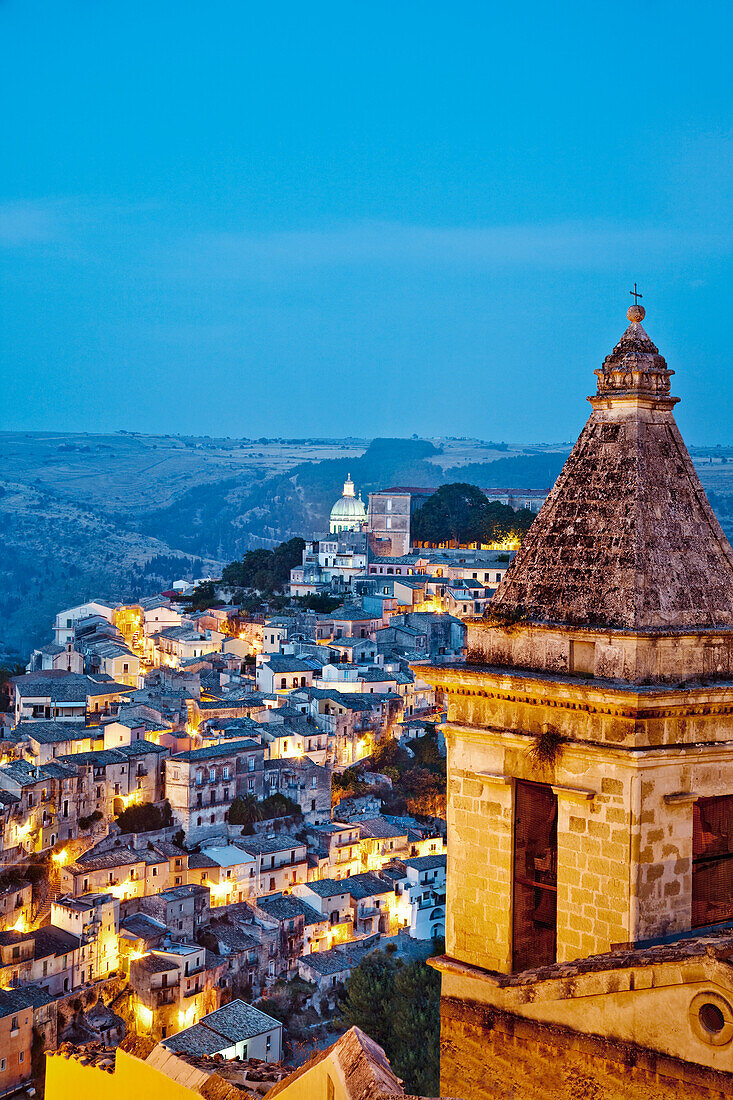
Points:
(401, 808)
(207, 802)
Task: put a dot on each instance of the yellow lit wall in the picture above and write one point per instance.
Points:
(68, 1079)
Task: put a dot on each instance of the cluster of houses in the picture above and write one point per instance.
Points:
(153, 936)
(156, 932)
(229, 728)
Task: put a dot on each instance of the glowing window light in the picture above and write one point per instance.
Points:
(187, 1017)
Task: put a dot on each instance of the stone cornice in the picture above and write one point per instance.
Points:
(590, 977)
(588, 696)
(673, 634)
(714, 752)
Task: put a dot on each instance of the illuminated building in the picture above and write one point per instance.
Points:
(331, 898)
(15, 906)
(373, 903)
(381, 841)
(176, 645)
(330, 563)
(201, 784)
(303, 782)
(419, 885)
(57, 960)
(44, 804)
(281, 862)
(183, 909)
(172, 989)
(299, 929)
(226, 870)
(348, 513)
(54, 656)
(94, 918)
(69, 697)
(66, 620)
(125, 872)
(390, 511)
(25, 1015)
(116, 777)
(341, 843)
(238, 1030)
(277, 673)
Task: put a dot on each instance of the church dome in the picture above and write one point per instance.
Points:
(348, 513)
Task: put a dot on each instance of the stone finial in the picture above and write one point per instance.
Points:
(635, 365)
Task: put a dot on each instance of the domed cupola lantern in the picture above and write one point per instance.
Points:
(348, 513)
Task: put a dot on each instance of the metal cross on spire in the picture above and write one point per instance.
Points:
(636, 294)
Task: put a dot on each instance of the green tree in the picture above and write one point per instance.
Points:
(320, 603)
(461, 513)
(415, 1040)
(452, 513)
(145, 818)
(368, 997)
(203, 596)
(266, 571)
(425, 792)
(244, 811)
(399, 1007)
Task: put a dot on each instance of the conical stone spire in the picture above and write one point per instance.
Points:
(627, 538)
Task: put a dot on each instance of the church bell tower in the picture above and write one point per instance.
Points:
(590, 775)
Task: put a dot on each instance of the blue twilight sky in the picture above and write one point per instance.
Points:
(367, 218)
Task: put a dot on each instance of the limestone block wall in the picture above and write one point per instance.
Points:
(480, 849)
(487, 1054)
(667, 786)
(593, 879)
(624, 840)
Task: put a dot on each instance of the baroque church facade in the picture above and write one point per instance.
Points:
(589, 926)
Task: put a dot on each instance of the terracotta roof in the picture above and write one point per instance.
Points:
(367, 1073)
(626, 538)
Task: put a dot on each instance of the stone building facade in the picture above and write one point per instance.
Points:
(590, 772)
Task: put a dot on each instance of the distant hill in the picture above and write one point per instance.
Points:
(121, 515)
(225, 519)
(537, 471)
